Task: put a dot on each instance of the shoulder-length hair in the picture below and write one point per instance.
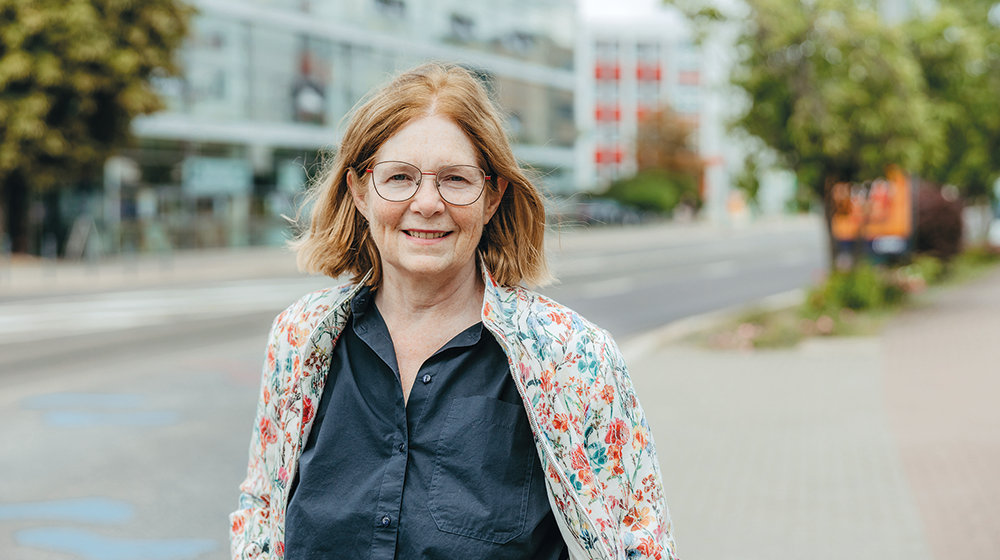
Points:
(338, 240)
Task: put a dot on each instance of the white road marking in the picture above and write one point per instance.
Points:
(608, 288)
(51, 318)
(717, 270)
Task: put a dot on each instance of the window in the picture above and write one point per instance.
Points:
(395, 9)
(462, 27)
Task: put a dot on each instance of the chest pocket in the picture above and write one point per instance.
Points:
(482, 470)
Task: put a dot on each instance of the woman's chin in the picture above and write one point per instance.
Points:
(433, 268)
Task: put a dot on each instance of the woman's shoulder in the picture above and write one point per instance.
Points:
(543, 315)
(311, 308)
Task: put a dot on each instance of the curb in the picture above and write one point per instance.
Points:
(641, 346)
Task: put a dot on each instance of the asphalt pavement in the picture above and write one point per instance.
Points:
(871, 448)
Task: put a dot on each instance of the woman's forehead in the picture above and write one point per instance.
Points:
(429, 139)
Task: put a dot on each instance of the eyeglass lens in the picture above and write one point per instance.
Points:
(397, 181)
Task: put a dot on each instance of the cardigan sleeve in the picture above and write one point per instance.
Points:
(250, 524)
(633, 477)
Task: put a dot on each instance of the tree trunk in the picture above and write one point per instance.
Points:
(828, 209)
(15, 208)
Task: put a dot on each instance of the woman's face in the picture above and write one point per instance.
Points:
(425, 237)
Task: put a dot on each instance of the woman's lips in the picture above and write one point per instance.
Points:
(426, 234)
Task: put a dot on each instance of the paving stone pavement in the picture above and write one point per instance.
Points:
(868, 448)
(942, 380)
(779, 455)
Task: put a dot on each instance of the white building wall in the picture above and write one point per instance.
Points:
(624, 68)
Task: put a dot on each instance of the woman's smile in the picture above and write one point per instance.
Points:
(426, 234)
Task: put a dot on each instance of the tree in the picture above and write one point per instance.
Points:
(73, 74)
(670, 170)
(663, 141)
(836, 95)
(959, 54)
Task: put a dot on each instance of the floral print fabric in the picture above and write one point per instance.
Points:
(591, 435)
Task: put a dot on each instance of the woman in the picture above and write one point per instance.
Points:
(434, 408)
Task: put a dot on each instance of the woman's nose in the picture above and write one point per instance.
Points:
(427, 200)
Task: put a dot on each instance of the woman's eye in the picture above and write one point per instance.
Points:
(399, 177)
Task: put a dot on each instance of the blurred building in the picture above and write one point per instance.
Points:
(267, 83)
(626, 68)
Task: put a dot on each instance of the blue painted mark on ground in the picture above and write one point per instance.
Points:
(92, 546)
(94, 510)
(73, 419)
(76, 400)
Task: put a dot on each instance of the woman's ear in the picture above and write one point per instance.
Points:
(353, 184)
(494, 203)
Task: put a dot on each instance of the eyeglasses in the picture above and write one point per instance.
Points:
(459, 185)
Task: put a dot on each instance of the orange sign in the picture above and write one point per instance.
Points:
(883, 209)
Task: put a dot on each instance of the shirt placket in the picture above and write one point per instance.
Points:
(390, 497)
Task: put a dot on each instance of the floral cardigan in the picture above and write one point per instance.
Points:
(593, 442)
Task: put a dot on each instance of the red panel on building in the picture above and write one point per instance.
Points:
(688, 77)
(604, 156)
(648, 72)
(607, 71)
(608, 112)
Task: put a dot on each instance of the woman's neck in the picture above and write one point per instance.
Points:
(415, 299)
(422, 315)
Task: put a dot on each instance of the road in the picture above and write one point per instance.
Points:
(629, 281)
(127, 413)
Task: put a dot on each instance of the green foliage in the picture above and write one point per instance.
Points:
(837, 95)
(73, 74)
(655, 190)
(865, 287)
(748, 180)
(959, 55)
(931, 269)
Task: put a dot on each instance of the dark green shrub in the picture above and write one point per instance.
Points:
(655, 190)
(931, 269)
(862, 288)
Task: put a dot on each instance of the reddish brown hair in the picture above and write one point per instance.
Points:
(337, 240)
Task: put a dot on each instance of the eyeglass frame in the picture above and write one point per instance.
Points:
(437, 183)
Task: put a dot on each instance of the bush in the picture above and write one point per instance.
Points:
(939, 224)
(863, 288)
(655, 190)
(931, 269)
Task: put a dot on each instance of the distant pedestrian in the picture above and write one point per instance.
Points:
(434, 408)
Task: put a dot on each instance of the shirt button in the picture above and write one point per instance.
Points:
(402, 446)
(385, 520)
(426, 378)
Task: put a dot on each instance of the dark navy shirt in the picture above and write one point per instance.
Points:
(452, 473)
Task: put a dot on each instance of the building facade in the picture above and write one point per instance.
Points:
(625, 70)
(266, 85)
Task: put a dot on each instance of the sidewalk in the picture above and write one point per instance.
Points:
(874, 448)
